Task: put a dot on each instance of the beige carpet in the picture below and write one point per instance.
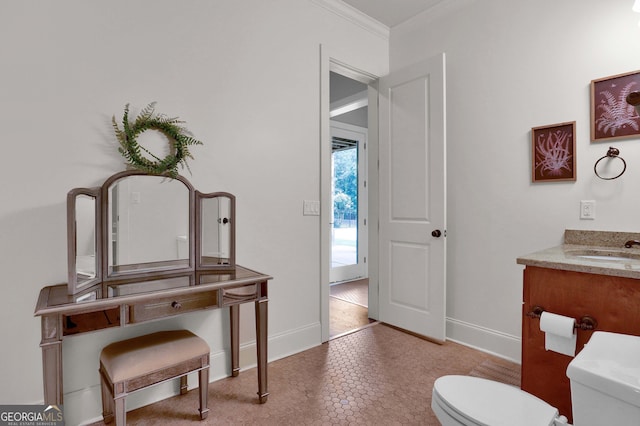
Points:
(376, 376)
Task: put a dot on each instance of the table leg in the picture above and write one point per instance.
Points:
(51, 345)
(234, 314)
(261, 344)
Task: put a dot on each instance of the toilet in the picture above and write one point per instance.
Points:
(605, 390)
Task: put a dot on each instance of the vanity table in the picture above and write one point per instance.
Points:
(63, 316)
(117, 278)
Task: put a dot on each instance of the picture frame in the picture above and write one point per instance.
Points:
(612, 118)
(553, 152)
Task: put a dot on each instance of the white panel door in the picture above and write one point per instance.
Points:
(412, 198)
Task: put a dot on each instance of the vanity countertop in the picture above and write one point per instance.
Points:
(593, 252)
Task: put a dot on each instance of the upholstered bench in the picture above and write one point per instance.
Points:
(137, 363)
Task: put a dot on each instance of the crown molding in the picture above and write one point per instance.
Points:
(354, 16)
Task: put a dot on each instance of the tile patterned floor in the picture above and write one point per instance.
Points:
(376, 376)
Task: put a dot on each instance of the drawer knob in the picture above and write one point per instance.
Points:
(176, 305)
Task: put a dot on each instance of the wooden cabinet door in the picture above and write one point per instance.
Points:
(612, 301)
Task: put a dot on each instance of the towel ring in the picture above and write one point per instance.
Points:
(611, 153)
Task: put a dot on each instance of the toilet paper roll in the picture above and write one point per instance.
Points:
(559, 333)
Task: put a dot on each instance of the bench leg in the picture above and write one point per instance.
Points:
(120, 412)
(107, 401)
(203, 385)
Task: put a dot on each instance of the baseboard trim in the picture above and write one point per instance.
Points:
(484, 339)
(282, 345)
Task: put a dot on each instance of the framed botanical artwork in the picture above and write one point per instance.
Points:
(554, 152)
(611, 116)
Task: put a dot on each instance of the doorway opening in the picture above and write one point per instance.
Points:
(349, 283)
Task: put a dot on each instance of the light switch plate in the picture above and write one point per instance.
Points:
(311, 208)
(588, 209)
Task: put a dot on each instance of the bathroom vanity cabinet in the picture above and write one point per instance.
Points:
(613, 301)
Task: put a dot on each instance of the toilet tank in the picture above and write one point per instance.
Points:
(605, 381)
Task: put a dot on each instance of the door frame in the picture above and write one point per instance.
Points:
(329, 63)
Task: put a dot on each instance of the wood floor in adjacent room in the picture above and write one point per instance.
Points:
(348, 307)
(375, 376)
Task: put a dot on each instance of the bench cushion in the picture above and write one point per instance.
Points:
(142, 355)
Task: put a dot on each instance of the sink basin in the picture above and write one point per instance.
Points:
(605, 255)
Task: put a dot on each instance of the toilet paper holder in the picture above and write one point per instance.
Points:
(586, 322)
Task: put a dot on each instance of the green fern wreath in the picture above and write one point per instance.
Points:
(179, 138)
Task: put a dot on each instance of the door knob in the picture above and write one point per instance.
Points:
(436, 233)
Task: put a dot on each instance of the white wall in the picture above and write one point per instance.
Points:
(246, 78)
(511, 66)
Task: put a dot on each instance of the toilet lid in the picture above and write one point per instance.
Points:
(488, 403)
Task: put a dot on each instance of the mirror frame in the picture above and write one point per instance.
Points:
(108, 275)
(103, 277)
(74, 285)
(200, 196)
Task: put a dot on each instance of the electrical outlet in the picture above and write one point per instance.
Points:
(588, 209)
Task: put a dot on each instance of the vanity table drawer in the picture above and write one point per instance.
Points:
(234, 295)
(161, 308)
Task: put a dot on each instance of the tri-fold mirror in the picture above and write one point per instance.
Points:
(141, 227)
